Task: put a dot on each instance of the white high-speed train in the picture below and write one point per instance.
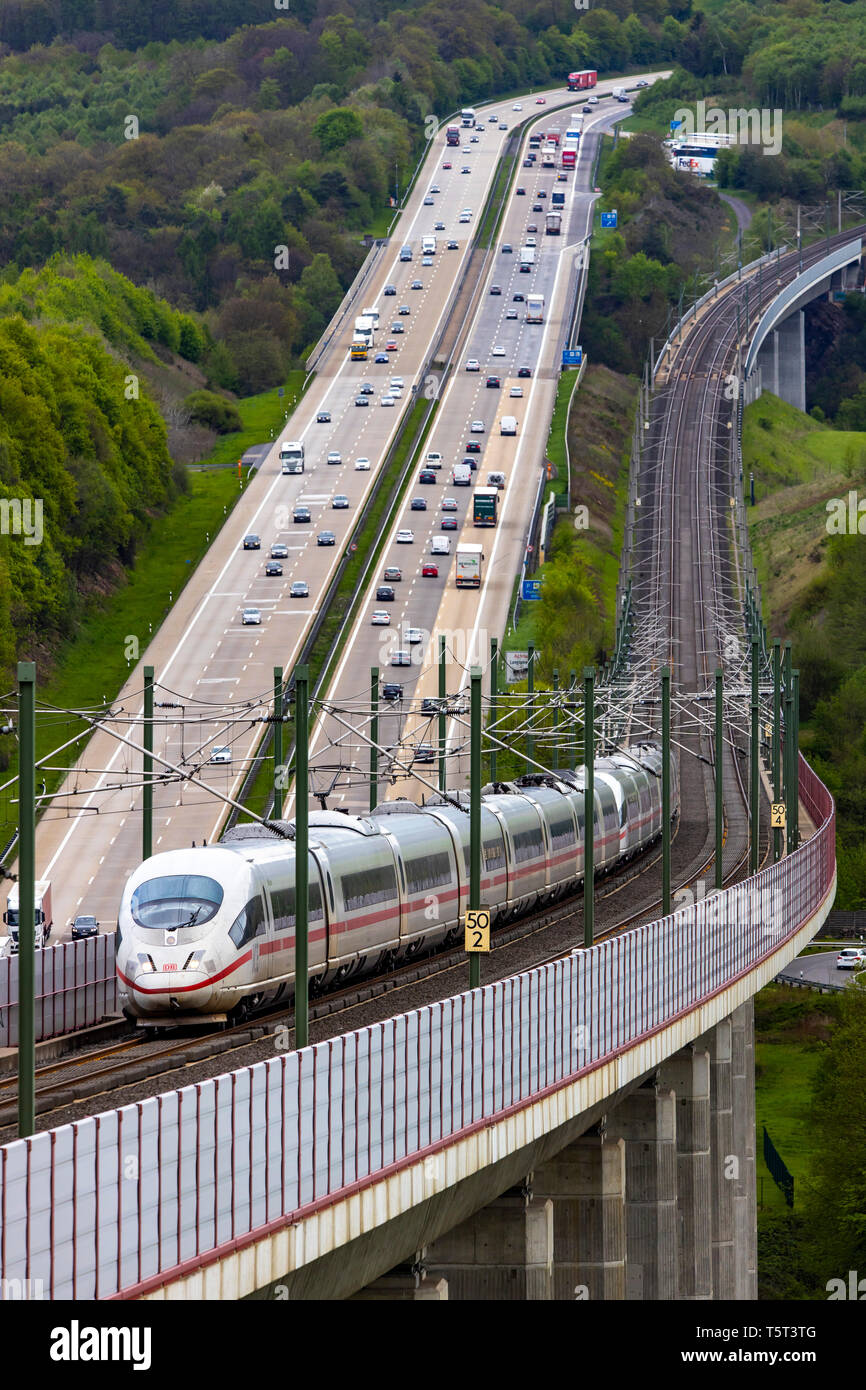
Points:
(207, 934)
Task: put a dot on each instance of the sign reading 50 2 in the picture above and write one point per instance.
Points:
(477, 929)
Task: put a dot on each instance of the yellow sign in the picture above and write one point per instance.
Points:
(778, 820)
(477, 929)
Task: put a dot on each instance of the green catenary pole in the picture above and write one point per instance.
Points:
(442, 780)
(26, 897)
(475, 814)
(572, 742)
(754, 795)
(530, 685)
(795, 752)
(494, 697)
(777, 744)
(374, 737)
(279, 773)
(720, 774)
(147, 767)
(588, 805)
(666, 791)
(554, 755)
(790, 787)
(302, 863)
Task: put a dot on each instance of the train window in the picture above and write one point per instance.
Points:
(492, 856)
(369, 886)
(562, 833)
(528, 844)
(430, 872)
(175, 900)
(250, 922)
(283, 903)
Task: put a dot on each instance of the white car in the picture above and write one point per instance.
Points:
(516, 391)
(396, 383)
(449, 504)
(852, 958)
(388, 400)
(405, 537)
(428, 260)
(252, 615)
(463, 218)
(472, 365)
(592, 101)
(498, 352)
(511, 314)
(381, 617)
(335, 457)
(530, 241)
(362, 465)
(517, 106)
(413, 636)
(477, 427)
(221, 754)
(434, 188)
(467, 212)
(401, 659)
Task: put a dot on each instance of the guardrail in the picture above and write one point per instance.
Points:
(123, 1203)
(76, 986)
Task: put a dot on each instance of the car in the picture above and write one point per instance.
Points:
(362, 465)
(541, 193)
(473, 139)
(481, 128)
(393, 574)
(592, 101)
(418, 504)
(532, 156)
(221, 754)
(323, 417)
(562, 178)
(518, 299)
(503, 125)
(447, 164)
(453, 245)
(449, 504)
(429, 571)
(279, 551)
(433, 459)
(417, 285)
(273, 569)
(512, 314)
(516, 391)
(414, 636)
(527, 163)
(530, 241)
(538, 207)
(397, 327)
(466, 169)
(642, 82)
(507, 248)
(463, 218)
(517, 106)
(381, 617)
(493, 381)
(396, 383)
(300, 589)
(84, 926)
(434, 188)
(532, 228)
(449, 523)
(495, 289)
(427, 475)
(520, 192)
(473, 447)
(388, 400)
(367, 388)
(390, 289)
(540, 101)
(471, 462)
(427, 260)
(472, 365)
(498, 351)
(251, 615)
(400, 658)
(465, 212)
(587, 107)
(405, 536)
(252, 542)
(385, 594)
(335, 456)
(392, 691)
(301, 514)
(404, 310)
(425, 753)
(524, 371)
(477, 427)
(326, 538)
(439, 227)
(391, 347)
(496, 480)
(381, 357)
(340, 502)
(361, 400)
(851, 958)
(428, 202)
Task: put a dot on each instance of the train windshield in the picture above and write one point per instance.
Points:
(176, 900)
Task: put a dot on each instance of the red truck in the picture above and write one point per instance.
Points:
(569, 158)
(582, 81)
(452, 135)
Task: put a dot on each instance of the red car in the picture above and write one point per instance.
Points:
(429, 571)
(447, 164)
(390, 347)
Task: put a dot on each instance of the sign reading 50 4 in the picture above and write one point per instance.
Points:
(477, 929)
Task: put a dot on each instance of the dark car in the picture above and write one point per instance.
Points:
(326, 538)
(473, 447)
(495, 289)
(542, 193)
(392, 691)
(427, 475)
(425, 753)
(390, 289)
(252, 542)
(323, 417)
(418, 504)
(83, 927)
(301, 514)
(527, 163)
(452, 246)
(518, 299)
(273, 568)
(385, 594)
(471, 462)
(449, 523)
(525, 371)
(520, 192)
(361, 400)
(381, 357)
(493, 381)
(538, 207)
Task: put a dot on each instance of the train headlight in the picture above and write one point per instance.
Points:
(194, 961)
(146, 964)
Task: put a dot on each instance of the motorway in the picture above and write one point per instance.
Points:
(219, 671)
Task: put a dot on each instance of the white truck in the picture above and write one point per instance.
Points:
(365, 328)
(508, 424)
(526, 259)
(619, 94)
(292, 456)
(470, 559)
(43, 921)
(428, 246)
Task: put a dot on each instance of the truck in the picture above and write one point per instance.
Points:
(467, 116)
(552, 138)
(535, 308)
(43, 921)
(485, 504)
(553, 224)
(292, 453)
(527, 258)
(461, 475)
(428, 246)
(357, 353)
(470, 560)
(569, 158)
(557, 198)
(365, 328)
(582, 81)
(548, 157)
(619, 94)
(508, 424)
(452, 135)
(372, 314)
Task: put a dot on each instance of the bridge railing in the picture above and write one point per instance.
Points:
(129, 1200)
(76, 986)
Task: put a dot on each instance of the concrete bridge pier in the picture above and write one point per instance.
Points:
(724, 1159)
(646, 1122)
(586, 1184)
(687, 1074)
(502, 1252)
(744, 1182)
